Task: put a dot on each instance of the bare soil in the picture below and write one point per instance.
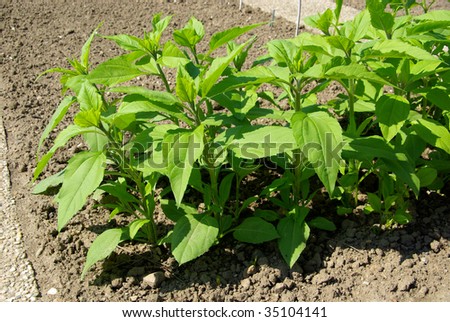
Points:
(361, 261)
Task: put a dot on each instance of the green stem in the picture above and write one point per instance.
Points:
(163, 77)
(351, 130)
(127, 171)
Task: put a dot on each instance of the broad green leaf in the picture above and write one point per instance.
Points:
(378, 17)
(118, 189)
(158, 24)
(342, 43)
(221, 38)
(255, 230)
(87, 118)
(191, 34)
(426, 26)
(435, 15)
(254, 76)
(148, 65)
(375, 202)
(396, 48)
(136, 225)
(427, 176)
(238, 102)
(84, 57)
(433, 133)
(357, 28)
(376, 147)
(83, 175)
(57, 116)
(321, 21)
(267, 215)
(102, 247)
(253, 142)
(95, 141)
(322, 223)
(391, 112)
(128, 42)
(311, 43)
(173, 212)
(319, 137)
(216, 69)
(354, 71)
(293, 237)
(337, 10)
(225, 188)
(172, 56)
(116, 70)
(192, 236)
(185, 87)
(423, 68)
(51, 182)
(63, 137)
(283, 52)
(141, 100)
(183, 151)
(439, 96)
(89, 98)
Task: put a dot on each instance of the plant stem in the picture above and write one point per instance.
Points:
(351, 130)
(163, 77)
(129, 172)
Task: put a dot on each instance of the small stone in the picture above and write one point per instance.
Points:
(39, 251)
(321, 278)
(408, 263)
(116, 283)
(245, 283)
(340, 262)
(153, 280)
(52, 291)
(290, 284)
(251, 270)
(279, 288)
(407, 283)
(423, 291)
(435, 246)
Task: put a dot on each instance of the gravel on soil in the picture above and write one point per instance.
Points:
(17, 281)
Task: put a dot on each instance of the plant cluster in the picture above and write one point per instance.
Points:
(205, 131)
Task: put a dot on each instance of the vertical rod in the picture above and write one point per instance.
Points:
(241, 2)
(298, 17)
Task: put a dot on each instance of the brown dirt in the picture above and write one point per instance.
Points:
(360, 262)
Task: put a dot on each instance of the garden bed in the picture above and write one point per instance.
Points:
(361, 261)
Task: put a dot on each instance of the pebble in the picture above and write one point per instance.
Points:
(407, 283)
(435, 246)
(251, 270)
(245, 283)
(116, 283)
(321, 278)
(153, 280)
(279, 288)
(52, 291)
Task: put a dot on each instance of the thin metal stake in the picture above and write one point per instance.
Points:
(241, 2)
(298, 17)
(273, 18)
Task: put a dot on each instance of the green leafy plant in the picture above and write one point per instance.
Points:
(221, 118)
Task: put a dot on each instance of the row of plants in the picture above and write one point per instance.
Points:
(204, 131)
